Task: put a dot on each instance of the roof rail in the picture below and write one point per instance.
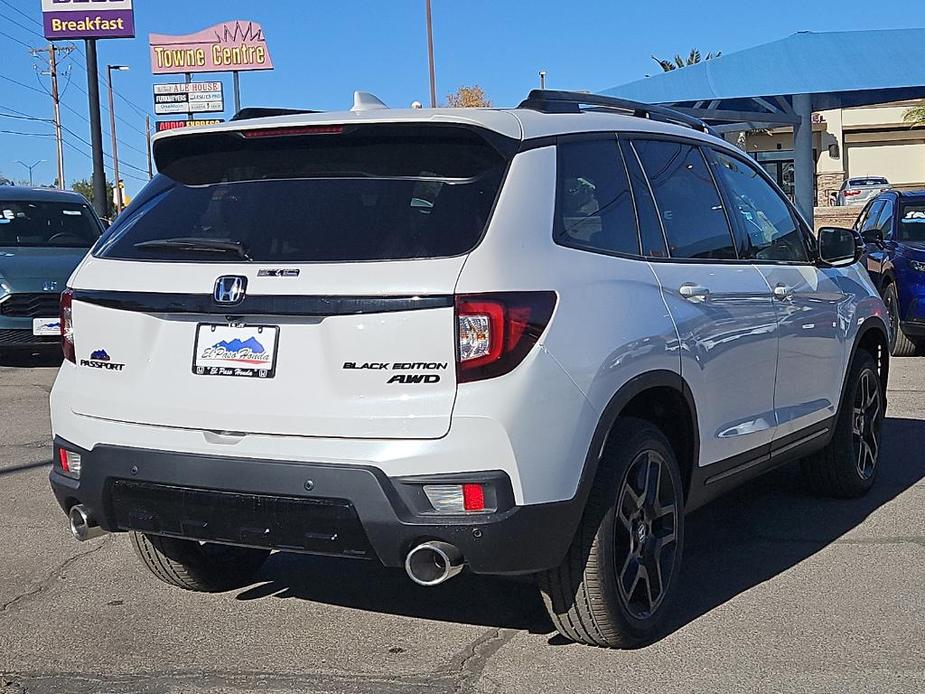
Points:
(555, 101)
(262, 112)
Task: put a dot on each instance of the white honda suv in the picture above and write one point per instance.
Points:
(516, 341)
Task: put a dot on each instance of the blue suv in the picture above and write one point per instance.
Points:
(893, 228)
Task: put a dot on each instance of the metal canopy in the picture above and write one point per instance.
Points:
(781, 83)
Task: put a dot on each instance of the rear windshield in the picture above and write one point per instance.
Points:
(872, 181)
(43, 223)
(912, 223)
(361, 193)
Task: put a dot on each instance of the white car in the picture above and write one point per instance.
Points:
(514, 341)
(859, 191)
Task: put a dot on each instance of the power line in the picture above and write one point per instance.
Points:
(107, 166)
(13, 38)
(16, 9)
(25, 86)
(17, 132)
(19, 116)
(138, 109)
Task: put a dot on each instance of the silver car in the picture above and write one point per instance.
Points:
(857, 191)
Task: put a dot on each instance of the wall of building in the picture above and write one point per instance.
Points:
(870, 140)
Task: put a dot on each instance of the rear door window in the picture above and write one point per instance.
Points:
(688, 202)
(651, 235)
(336, 194)
(594, 207)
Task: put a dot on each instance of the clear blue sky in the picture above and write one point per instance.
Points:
(324, 50)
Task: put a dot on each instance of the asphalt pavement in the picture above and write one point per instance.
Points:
(782, 592)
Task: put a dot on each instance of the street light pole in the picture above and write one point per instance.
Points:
(430, 57)
(40, 161)
(117, 188)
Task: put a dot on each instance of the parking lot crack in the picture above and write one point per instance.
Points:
(45, 583)
(476, 656)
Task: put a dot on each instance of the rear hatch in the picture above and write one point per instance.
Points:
(292, 280)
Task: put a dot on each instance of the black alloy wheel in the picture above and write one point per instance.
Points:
(645, 534)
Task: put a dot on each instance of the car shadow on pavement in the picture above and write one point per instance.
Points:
(743, 539)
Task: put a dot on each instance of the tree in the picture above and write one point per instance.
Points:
(468, 97)
(85, 188)
(693, 58)
(914, 116)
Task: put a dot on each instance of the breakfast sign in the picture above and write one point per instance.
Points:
(86, 19)
(233, 46)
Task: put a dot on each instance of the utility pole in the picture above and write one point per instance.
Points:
(148, 146)
(100, 202)
(52, 51)
(430, 57)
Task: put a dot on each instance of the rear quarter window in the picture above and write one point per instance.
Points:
(346, 194)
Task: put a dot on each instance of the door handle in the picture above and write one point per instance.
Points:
(694, 292)
(783, 292)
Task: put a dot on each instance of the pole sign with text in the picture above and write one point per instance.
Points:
(163, 125)
(188, 97)
(233, 46)
(88, 19)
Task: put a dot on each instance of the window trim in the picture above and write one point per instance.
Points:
(794, 214)
(698, 145)
(599, 136)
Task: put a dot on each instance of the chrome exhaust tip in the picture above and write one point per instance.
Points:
(82, 525)
(431, 563)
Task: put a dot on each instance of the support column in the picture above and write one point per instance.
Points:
(804, 168)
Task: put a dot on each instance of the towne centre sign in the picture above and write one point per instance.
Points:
(88, 19)
(233, 46)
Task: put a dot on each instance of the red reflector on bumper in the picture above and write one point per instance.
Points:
(473, 497)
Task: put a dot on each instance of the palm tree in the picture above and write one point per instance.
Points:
(914, 116)
(693, 58)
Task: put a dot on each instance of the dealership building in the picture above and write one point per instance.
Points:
(850, 142)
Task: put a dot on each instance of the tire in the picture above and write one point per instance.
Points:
(848, 465)
(585, 597)
(900, 345)
(187, 564)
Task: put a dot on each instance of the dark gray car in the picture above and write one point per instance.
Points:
(44, 234)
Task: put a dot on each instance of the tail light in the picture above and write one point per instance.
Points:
(851, 193)
(496, 331)
(67, 326)
(468, 497)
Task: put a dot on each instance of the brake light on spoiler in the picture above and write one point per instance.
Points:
(295, 130)
(496, 331)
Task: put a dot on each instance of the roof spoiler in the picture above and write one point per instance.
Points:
(266, 112)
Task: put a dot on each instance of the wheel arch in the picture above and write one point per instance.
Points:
(872, 337)
(661, 397)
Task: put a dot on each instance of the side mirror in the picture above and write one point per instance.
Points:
(839, 247)
(874, 236)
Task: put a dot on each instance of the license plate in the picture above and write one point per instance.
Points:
(46, 326)
(235, 350)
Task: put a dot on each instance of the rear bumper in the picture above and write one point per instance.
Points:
(319, 508)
